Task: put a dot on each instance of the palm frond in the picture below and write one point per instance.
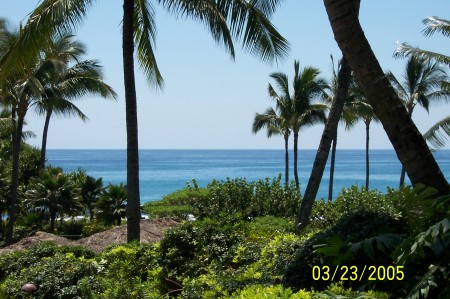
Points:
(282, 82)
(51, 17)
(436, 24)
(208, 13)
(437, 135)
(406, 49)
(144, 35)
(247, 21)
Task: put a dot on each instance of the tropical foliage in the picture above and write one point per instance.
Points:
(53, 193)
(297, 110)
(112, 203)
(421, 86)
(246, 21)
(438, 133)
(69, 83)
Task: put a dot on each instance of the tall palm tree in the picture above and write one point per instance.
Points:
(68, 84)
(362, 109)
(421, 86)
(308, 87)
(418, 160)
(248, 21)
(348, 118)
(276, 124)
(23, 91)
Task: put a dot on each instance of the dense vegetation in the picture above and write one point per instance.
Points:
(240, 239)
(255, 251)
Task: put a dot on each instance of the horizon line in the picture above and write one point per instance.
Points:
(221, 149)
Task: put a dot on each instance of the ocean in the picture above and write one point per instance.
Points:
(165, 171)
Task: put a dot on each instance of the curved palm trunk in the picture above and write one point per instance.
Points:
(44, 138)
(14, 178)
(297, 183)
(367, 153)
(333, 159)
(133, 207)
(286, 159)
(329, 133)
(406, 139)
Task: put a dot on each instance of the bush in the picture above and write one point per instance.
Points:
(278, 292)
(56, 271)
(189, 249)
(177, 204)
(134, 266)
(259, 198)
(354, 229)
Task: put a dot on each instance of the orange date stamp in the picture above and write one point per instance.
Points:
(354, 273)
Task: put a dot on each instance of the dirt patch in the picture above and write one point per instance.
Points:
(152, 230)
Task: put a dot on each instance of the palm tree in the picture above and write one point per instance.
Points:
(436, 135)
(70, 83)
(308, 87)
(91, 190)
(112, 204)
(277, 123)
(22, 92)
(348, 118)
(418, 159)
(53, 192)
(246, 20)
(361, 108)
(421, 86)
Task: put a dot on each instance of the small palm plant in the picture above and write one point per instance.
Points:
(91, 191)
(112, 204)
(53, 192)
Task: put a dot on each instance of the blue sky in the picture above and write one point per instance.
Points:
(209, 101)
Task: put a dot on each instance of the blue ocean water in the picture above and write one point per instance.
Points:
(165, 171)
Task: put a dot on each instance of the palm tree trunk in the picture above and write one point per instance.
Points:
(328, 135)
(44, 138)
(406, 139)
(333, 159)
(297, 183)
(367, 153)
(52, 220)
(133, 207)
(286, 159)
(14, 178)
(402, 177)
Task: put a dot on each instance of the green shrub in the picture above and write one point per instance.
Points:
(277, 254)
(278, 292)
(353, 228)
(189, 249)
(133, 265)
(259, 198)
(264, 227)
(177, 204)
(55, 273)
(71, 229)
